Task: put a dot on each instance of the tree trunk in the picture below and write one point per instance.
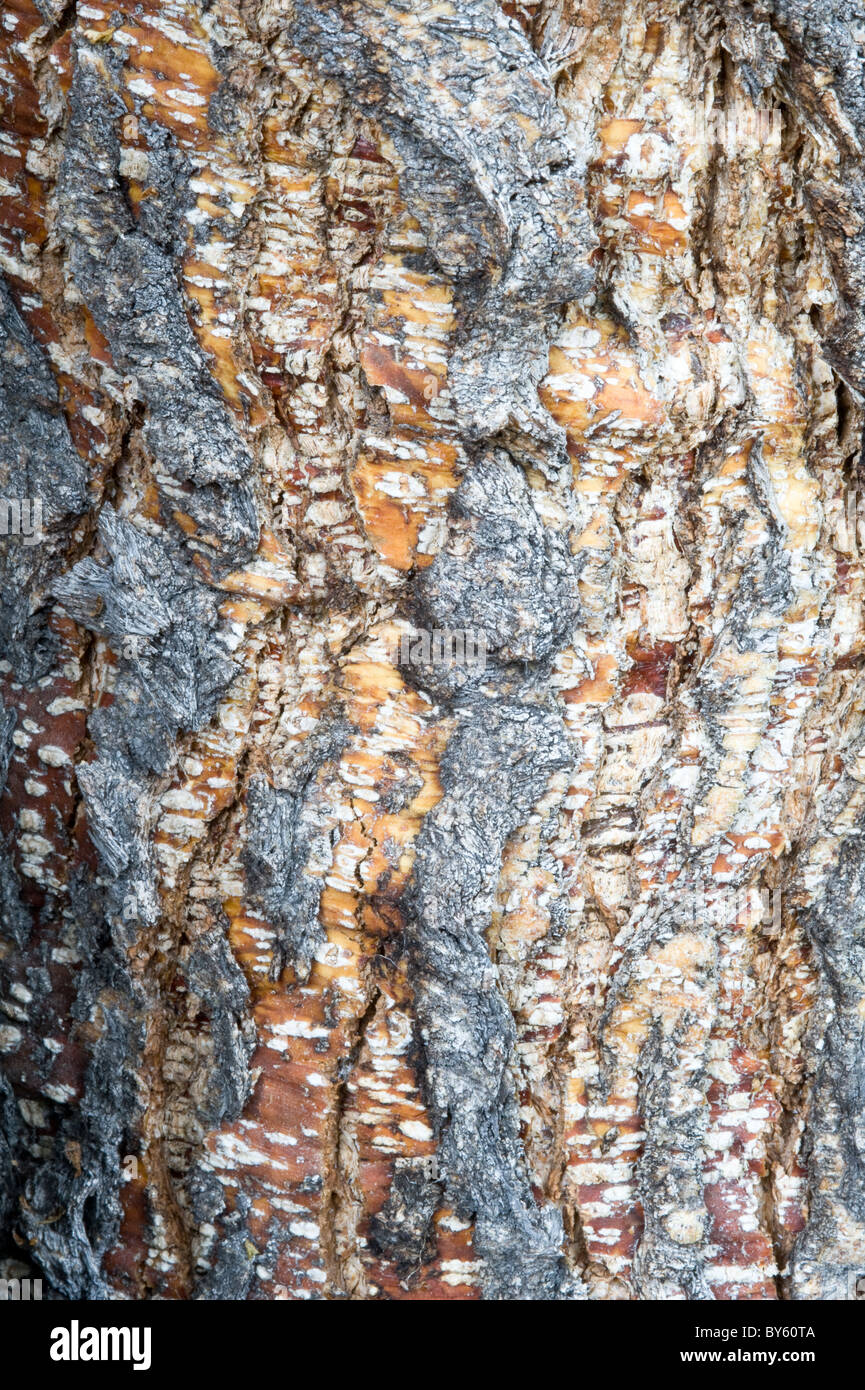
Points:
(433, 641)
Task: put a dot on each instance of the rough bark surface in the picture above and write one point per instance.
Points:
(328, 322)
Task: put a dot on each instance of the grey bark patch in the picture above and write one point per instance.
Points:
(144, 596)
(116, 802)
(15, 918)
(213, 974)
(495, 768)
(457, 92)
(71, 1210)
(129, 275)
(8, 720)
(39, 463)
(501, 574)
(282, 834)
(11, 1143)
(670, 1175)
(831, 1248)
(756, 49)
(232, 1269)
(403, 1229)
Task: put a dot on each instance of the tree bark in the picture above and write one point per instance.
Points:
(339, 961)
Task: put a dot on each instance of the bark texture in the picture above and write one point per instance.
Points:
(324, 323)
